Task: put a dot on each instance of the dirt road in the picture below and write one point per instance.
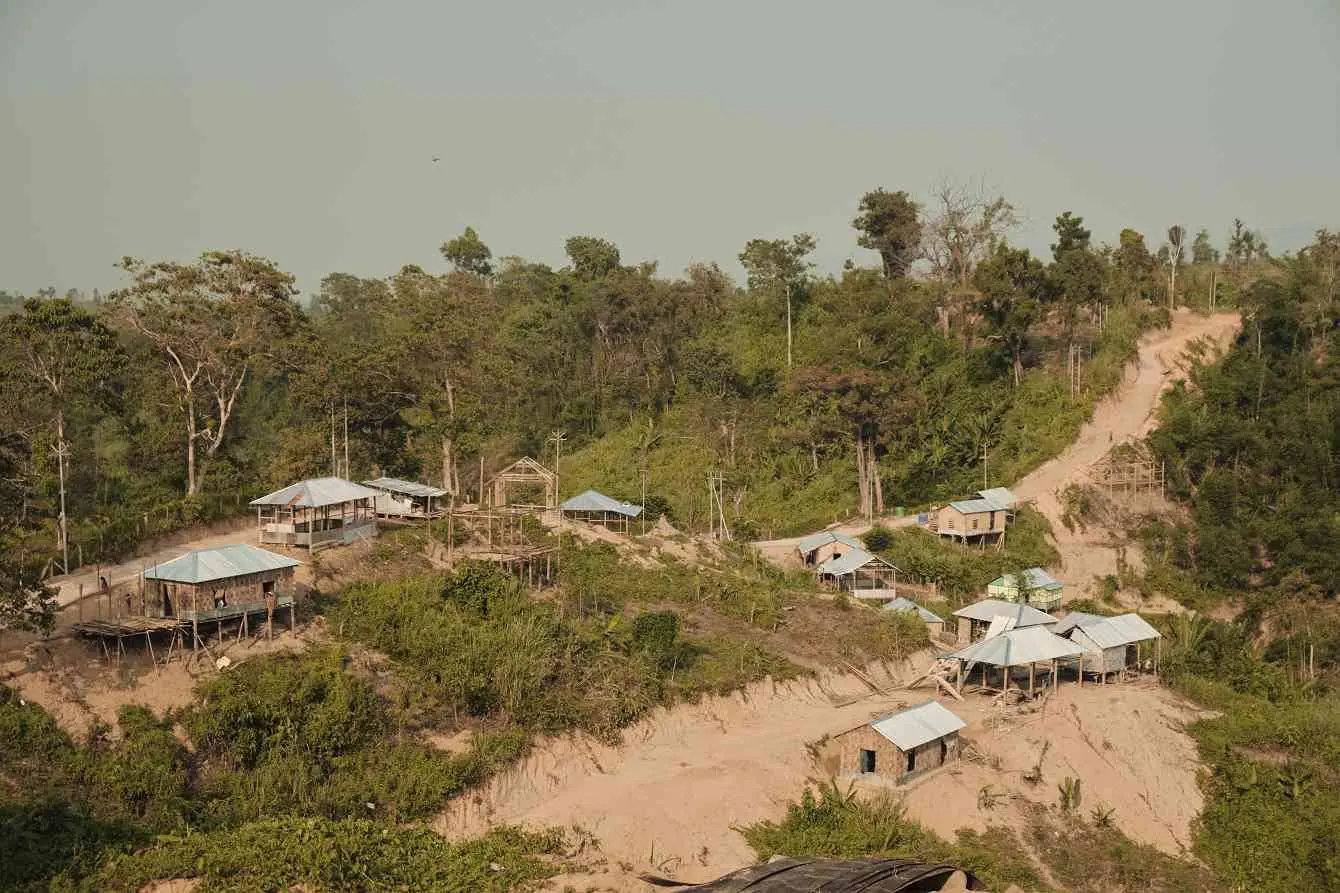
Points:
(669, 801)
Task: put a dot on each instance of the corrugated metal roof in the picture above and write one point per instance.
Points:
(595, 501)
(918, 725)
(990, 608)
(824, 537)
(223, 563)
(1074, 619)
(906, 604)
(405, 488)
(1017, 647)
(996, 499)
(1034, 578)
(852, 561)
(1135, 627)
(316, 493)
(1109, 632)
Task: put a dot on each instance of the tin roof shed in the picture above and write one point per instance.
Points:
(595, 501)
(988, 609)
(915, 726)
(317, 493)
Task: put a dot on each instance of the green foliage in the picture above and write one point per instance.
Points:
(1070, 794)
(333, 856)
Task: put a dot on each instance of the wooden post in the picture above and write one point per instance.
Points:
(1158, 643)
(1056, 681)
(1079, 662)
(81, 602)
(1031, 668)
(960, 676)
(983, 675)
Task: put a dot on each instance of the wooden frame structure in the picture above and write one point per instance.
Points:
(523, 472)
(1129, 469)
(861, 574)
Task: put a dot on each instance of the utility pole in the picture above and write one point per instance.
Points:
(334, 466)
(346, 437)
(985, 485)
(557, 437)
(788, 325)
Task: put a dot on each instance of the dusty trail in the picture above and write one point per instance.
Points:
(671, 798)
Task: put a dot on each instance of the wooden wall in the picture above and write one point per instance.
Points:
(843, 757)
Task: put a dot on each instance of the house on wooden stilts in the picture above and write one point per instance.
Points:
(595, 507)
(315, 513)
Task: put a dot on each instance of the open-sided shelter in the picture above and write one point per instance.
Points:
(935, 624)
(1111, 644)
(407, 499)
(861, 574)
(595, 507)
(1033, 586)
(900, 745)
(317, 512)
(819, 547)
(220, 584)
(984, 517)
(1014, 648)
(976, 620)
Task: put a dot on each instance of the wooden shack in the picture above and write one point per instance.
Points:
(1111, 644)
(226, 583)
(407, 500)
(860, 574)
(315, 513)
(824, 546)
(982, 518)
(901, 745)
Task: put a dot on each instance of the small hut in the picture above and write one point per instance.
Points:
(992, 615)
(595, 507)
(1033, 586)
(901, 745)
(407, 500)
(226, 583)
(1111, 644)
(935, 624)
(826, 545)
(982, 518)
(861, 574)
(317, 512)
(1014, 649)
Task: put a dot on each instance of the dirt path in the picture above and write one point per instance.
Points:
(242, 531)
(669, 801)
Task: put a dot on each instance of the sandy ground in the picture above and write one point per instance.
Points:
(670, 799)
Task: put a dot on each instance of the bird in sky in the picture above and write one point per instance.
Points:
(436, 159)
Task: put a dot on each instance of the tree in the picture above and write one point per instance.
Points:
(962, 229)
(1176, 255)
(1202, 251)
(778, 266)
(888, 224)
(592, 258)
(25, 603)
(1135, 267)
(1077, 274)
(468, 254)
(214, 321)
(1071, 235)
(1013, 285)
(67, 354)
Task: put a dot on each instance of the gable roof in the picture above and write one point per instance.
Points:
(222, 563)
(1016, 647)
(918, 725)
(405, 488)
(852, 561)
(595, 501)
(989, 609)
(1034, 578)
(316, 493)
(1108, 632)
(995, 499)
(906, 604)
(809, 543)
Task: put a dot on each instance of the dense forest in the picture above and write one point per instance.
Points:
(197, 386)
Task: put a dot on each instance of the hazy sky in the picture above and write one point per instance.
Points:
(304, 130)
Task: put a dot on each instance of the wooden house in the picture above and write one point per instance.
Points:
(860, 574)
(982, 518)
(1033, 586)
(220, 584)
(316, 513)
(899, 746)
(1111, 644)
(826, 545)
(595, 507)
(407, 500)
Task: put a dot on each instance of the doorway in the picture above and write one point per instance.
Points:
(867, 762)
(911, 761)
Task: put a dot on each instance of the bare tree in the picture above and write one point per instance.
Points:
(962, 226)
(1176, 239)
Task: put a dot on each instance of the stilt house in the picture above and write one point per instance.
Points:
(315, 513)
(860, 574)
(407, 499)
(1033, 586)
(1111, 644)
(220, 584)
(992, 615)
(984, 517)
(595, 507)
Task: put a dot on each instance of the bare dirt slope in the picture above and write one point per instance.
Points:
(669, 800)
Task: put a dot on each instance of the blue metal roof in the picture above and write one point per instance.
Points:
(316, 493)
(223, 563)
(824, 537)
(595, 501)
(1034, 578)
(918, 725)
(906, 604)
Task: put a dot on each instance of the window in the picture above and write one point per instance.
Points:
(867, 763)
(974, 523)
